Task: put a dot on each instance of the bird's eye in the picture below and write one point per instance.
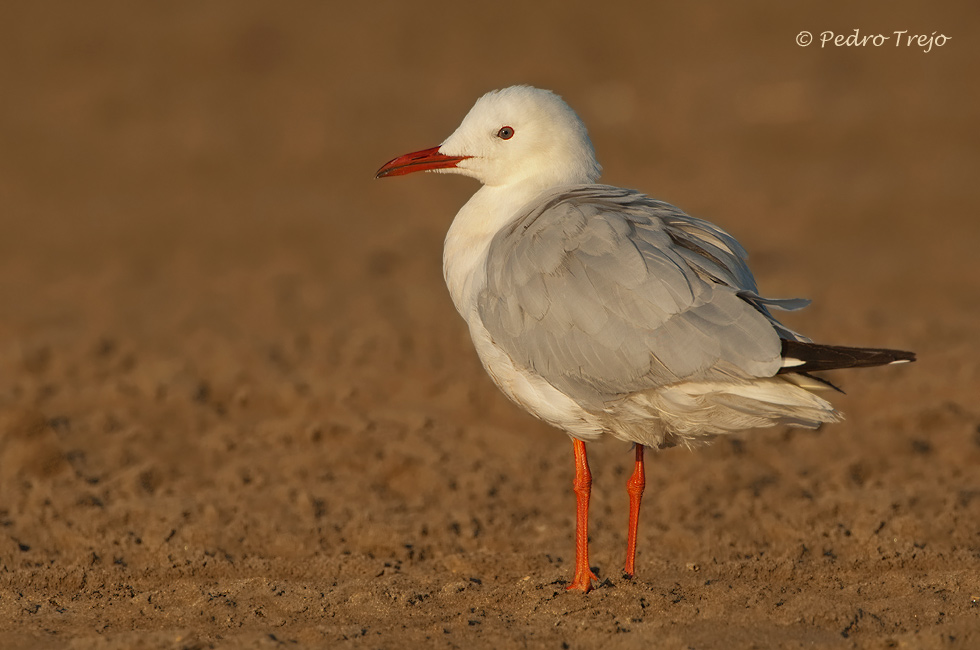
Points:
(505, 133)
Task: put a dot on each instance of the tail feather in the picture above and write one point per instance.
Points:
(802, 357)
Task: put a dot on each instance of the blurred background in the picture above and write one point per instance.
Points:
(148, 154)
(202, 286)
(136, 137)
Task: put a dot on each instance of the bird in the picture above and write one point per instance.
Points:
(605, 312)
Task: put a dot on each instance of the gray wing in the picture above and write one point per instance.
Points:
(604, 292)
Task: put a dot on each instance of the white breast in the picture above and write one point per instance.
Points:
(464, 266)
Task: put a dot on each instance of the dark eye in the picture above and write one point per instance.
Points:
(505, 133)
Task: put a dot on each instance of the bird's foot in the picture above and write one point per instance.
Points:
(584, 581)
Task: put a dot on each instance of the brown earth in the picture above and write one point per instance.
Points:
(238, 410)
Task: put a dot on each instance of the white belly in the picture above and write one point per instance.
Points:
(531, 392)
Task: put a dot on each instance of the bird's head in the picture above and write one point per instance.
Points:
(515, 135)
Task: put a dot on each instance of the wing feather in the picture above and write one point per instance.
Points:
(605, 292)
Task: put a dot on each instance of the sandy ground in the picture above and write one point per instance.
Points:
(238, 410)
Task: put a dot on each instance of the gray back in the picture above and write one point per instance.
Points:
(604, 292)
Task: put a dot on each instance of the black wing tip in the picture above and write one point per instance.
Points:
(809, 357)
(903, 356)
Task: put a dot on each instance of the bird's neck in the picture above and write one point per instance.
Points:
(468, 240)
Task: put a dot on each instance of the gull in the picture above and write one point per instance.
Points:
(604, 312)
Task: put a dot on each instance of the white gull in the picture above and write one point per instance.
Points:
(602, 311)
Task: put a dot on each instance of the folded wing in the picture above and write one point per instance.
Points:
(605, 292)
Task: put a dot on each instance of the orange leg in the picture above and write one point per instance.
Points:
(583, 487)
(635, 489)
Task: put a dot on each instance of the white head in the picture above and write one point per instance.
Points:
(512, 136)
